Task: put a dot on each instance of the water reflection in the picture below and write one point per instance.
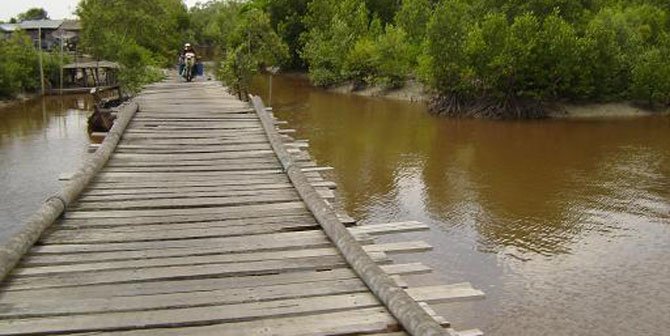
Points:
(532, 185)
(543, 215)
(39, 139)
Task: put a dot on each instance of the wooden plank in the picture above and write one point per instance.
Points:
(205, 250)
(188, 316)
(245, 209)
(223, 296)
(221, 219)
(172, 203)
(189, 309)
(171, 232)
(179, 222)
(188, 257)
(349, 322)
(201, 156)
(191, 168)
(399, 247)
(376, 229)
(228, 244)
(445, 293)
(73, 291)
(184, 261)
(151, 162)
(196, 191)
(146, 176)
(177, 272)
(215, 182)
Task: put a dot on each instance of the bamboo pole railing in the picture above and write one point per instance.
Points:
(12, 249)
(406, 310)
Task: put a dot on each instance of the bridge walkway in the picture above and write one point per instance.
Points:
(194, 226)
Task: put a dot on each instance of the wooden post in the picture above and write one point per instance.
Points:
(39, 56)
(61, 65)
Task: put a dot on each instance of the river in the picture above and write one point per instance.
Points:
(565, 224)
(39, 140)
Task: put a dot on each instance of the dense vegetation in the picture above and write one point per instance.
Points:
(481, 57)
(508, 58)
(242, 39)
(19, 66)
(142, 36)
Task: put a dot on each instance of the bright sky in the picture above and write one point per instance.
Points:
(57, 9)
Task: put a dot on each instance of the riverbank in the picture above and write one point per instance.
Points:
(414, 91)
(604, 110)
(24, 97)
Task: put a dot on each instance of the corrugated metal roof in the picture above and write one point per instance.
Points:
(9, 27)
(44, 24)
(70, 25)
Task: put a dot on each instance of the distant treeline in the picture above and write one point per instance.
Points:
(497, 58)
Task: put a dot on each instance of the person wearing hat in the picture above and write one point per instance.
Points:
(182, 57)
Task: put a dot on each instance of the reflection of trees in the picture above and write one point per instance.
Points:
(366, 140)
(530, 185)
(25, 118)
(526, 184)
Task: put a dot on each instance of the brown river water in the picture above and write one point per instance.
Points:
(565, 224)
(39, 140)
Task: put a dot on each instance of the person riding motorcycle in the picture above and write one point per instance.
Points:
(182, 57)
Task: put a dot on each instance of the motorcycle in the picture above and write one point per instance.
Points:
(189, 66)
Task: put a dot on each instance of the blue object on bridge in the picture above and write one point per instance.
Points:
(199, 69)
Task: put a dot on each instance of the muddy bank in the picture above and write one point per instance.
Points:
(415, 92)
(412, 91)
(5, 103)
(604, 110)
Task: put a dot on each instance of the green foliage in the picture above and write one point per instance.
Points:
(33, 14)
(385, 10)
(574, 51)
(212, 22)
(286, 18)
(442, 66)
(252, 45)
(413, 17)
(345, 43)
(137, 34)
(393, 58)
(18, 65)
(651, 75)
(333, 29)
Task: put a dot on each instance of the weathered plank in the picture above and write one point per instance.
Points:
(181, 272)
(348, 322)
(73, 291)
(386, 228)
(243, 210)
(194, 257)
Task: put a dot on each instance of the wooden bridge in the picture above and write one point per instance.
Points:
(196, 216)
